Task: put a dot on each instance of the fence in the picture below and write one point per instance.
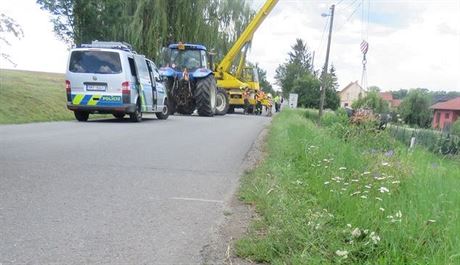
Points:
(435, 141)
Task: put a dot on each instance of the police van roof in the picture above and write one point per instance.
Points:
(109, 45)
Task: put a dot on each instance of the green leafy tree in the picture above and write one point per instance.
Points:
(400, 94)
(373, 101)
(9, 27)
(150, 25)
(332, 99)
(415, 108)
(308, 89)
(263, 82)
(296, 76)
(374, 88)
(456, 128)
(297, 65)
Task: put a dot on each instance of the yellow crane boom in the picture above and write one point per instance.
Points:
(246, 36)
(234, 83)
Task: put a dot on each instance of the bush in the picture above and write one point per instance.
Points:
(456, 128)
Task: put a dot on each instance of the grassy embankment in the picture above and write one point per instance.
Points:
(342, 195)
(32, 96)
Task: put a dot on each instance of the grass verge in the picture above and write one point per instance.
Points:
(363, 199)
(31, 97)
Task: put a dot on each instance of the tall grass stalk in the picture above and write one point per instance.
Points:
(361, 199)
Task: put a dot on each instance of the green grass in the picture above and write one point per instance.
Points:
(306, 193)
(31, 97)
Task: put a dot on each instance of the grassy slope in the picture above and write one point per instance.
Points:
(32, 96)
(308, 211)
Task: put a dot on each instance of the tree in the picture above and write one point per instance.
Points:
(415, 108)
(8, 26)
(373, 101)
(150, 25)
(297, 65)
(263, 82)
(332, 99)
(296, 76)
(400, 94)
(374, 88)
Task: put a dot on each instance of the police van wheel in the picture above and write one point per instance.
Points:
(164, 114)
(81, 115)
(136, 116)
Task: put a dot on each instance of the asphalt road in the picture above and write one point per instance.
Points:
(109, 192)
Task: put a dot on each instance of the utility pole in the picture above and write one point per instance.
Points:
(324, 73)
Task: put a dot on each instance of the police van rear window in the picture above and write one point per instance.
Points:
(96, 62)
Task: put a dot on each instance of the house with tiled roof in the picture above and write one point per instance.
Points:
(350, 93)
(446, 113)
(388, 97)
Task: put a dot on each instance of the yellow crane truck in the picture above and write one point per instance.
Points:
(244, 76)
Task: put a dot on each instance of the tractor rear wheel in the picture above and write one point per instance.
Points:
(222, 102)
(205, 96)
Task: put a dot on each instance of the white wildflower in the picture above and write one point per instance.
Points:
(396, 182)
(325, 166)
(381, 209)
(366, 173)
(398, 214)
(366, 231)
(363, 197)
(356, 232)
(355, 193)
(342, 253)
(326, 182)
(349, 225)
(375, 238)
(378, 199)
(354, 180)
(342, 168)
(385, 164)
(431, 221)
(368, 186)
(346, 183)
(344, 189)
(384, 189)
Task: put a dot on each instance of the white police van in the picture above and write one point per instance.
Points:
(109, 77)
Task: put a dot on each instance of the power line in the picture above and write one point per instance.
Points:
(351, 15)
(320, 46)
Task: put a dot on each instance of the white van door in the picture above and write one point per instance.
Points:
(145, 83)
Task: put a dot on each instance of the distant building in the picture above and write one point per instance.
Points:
(446, 113)
(388, 97)
(350, 93)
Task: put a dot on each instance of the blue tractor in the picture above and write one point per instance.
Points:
(190, 81)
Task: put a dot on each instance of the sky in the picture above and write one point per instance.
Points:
(412, 43)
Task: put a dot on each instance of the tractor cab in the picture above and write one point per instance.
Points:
(181, 57)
